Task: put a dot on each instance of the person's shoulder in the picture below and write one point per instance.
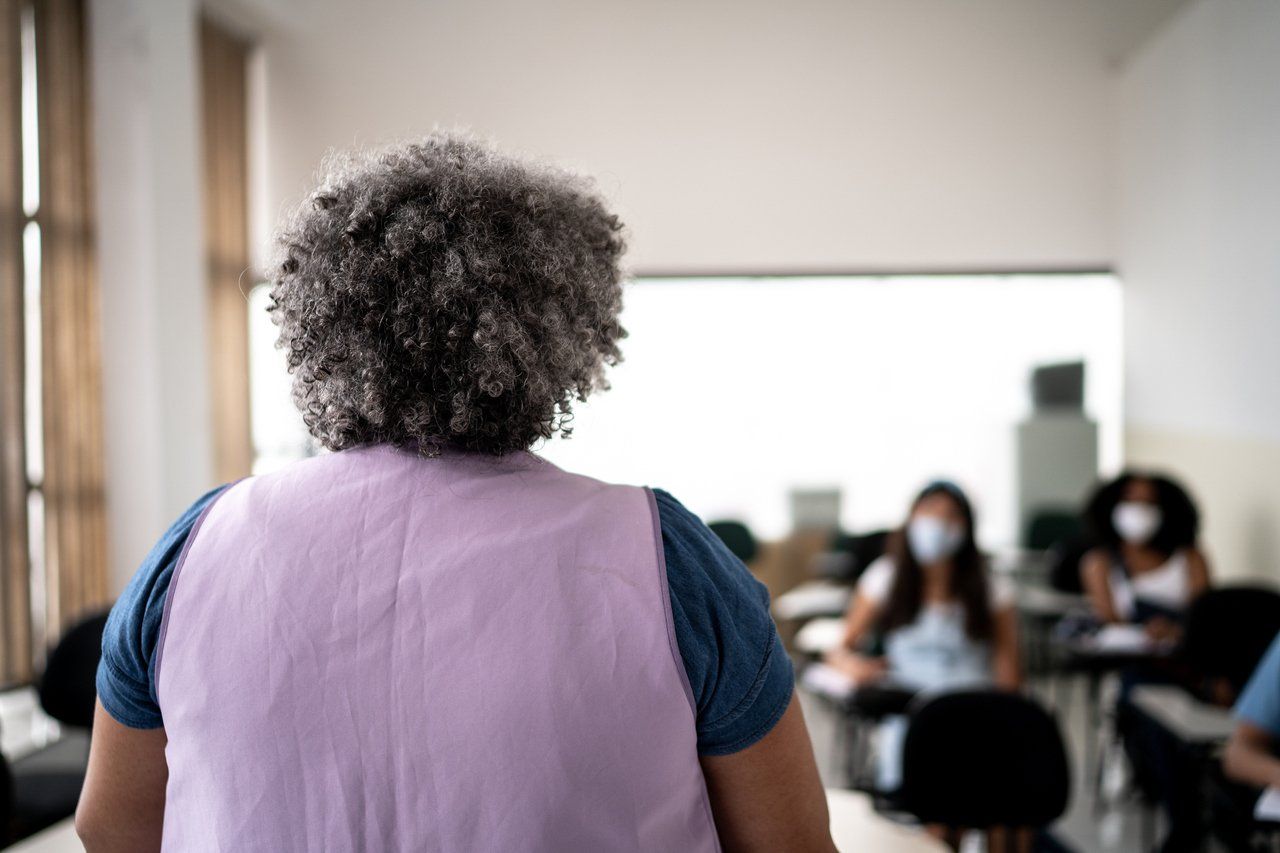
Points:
(1097, 561)
(877, 579)
(1193, 555)
(738, 672)
(1269, 667)
(1001, 590)
(694, 549)
(126, 671)
(676, 516)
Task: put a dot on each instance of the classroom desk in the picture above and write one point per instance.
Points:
(1049, 603)
(59, 838)
(812, 599)
(1094, 660)
(1182, 715)
(1198, 729)
(820, 636)
(854, 826)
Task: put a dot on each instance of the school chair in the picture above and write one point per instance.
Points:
(1048, 527)
(1226, 632)
(46, 784)
(6, 802)
(738, 538)
(1064, 558)
(983, 759)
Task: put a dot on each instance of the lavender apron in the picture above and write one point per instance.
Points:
(374, 651)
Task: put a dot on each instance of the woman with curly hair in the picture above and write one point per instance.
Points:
(1147, 567)
(431, 638)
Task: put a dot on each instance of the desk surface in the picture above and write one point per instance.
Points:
(820, 636)
(854, 826)
(1039, 600)
(813, 598)
(59, 838)
(1191, 720)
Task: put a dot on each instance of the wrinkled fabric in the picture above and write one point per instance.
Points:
(370, 650)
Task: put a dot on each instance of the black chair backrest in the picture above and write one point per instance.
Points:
(877, 701)
(984, 758)
(6, 802)
(863, 549)
(67, 686)
(1064, 564)
(1049, 526)
(738, 538)
(1227, 631)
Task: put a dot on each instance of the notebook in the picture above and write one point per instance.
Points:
(1268, 806)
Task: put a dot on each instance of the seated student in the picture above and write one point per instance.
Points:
(1251, 761)
(1147, 567)
(1253, 753)
(1146, 570)
(945, 625)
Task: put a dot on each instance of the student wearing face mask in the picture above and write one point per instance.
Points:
(945, 625)
(1147, 568)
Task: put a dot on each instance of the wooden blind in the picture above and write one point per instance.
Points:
(223, 78)
(74, 489)
(15, 591)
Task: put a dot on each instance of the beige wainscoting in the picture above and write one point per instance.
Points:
(1236, 482)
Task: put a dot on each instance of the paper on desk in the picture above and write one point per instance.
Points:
(826, 680)
(1268, 806)
(1121, 638)
(820, 635)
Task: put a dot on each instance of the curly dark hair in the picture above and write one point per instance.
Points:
(443, 293)
(1180, 519)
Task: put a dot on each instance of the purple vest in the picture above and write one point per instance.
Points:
(374, 651)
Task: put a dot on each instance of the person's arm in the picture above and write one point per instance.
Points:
(1198, 575)
(1249, 758)
(1005, 665)
(122, 805)
(768, 797)
(1095, 574)
(751, 740)
(858, 621)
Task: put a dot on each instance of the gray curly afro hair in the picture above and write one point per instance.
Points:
(442, 293)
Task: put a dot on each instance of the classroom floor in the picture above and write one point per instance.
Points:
(1084, 828)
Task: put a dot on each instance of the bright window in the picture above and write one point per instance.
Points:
(737, 390)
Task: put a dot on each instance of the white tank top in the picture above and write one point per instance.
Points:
(1167, 586)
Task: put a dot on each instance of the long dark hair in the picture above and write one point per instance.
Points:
(1180, 520)
(968, 575)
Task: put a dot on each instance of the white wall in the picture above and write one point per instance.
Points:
(1199, 254)
(817, 134)
(151, 269)
(740, 134)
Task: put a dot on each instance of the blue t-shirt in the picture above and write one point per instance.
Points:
(1260, 702)
(740, 675)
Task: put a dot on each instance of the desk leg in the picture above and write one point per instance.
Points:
(1092, 736)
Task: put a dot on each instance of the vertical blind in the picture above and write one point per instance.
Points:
(51, 468)
(15, 640)
(223, 64)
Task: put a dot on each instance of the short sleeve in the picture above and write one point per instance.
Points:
(739, 673)
(1260, 702)
(126, 672)
(875, 582)
(1002, 593)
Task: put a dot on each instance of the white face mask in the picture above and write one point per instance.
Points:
(1136, 522)
(933, 540)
